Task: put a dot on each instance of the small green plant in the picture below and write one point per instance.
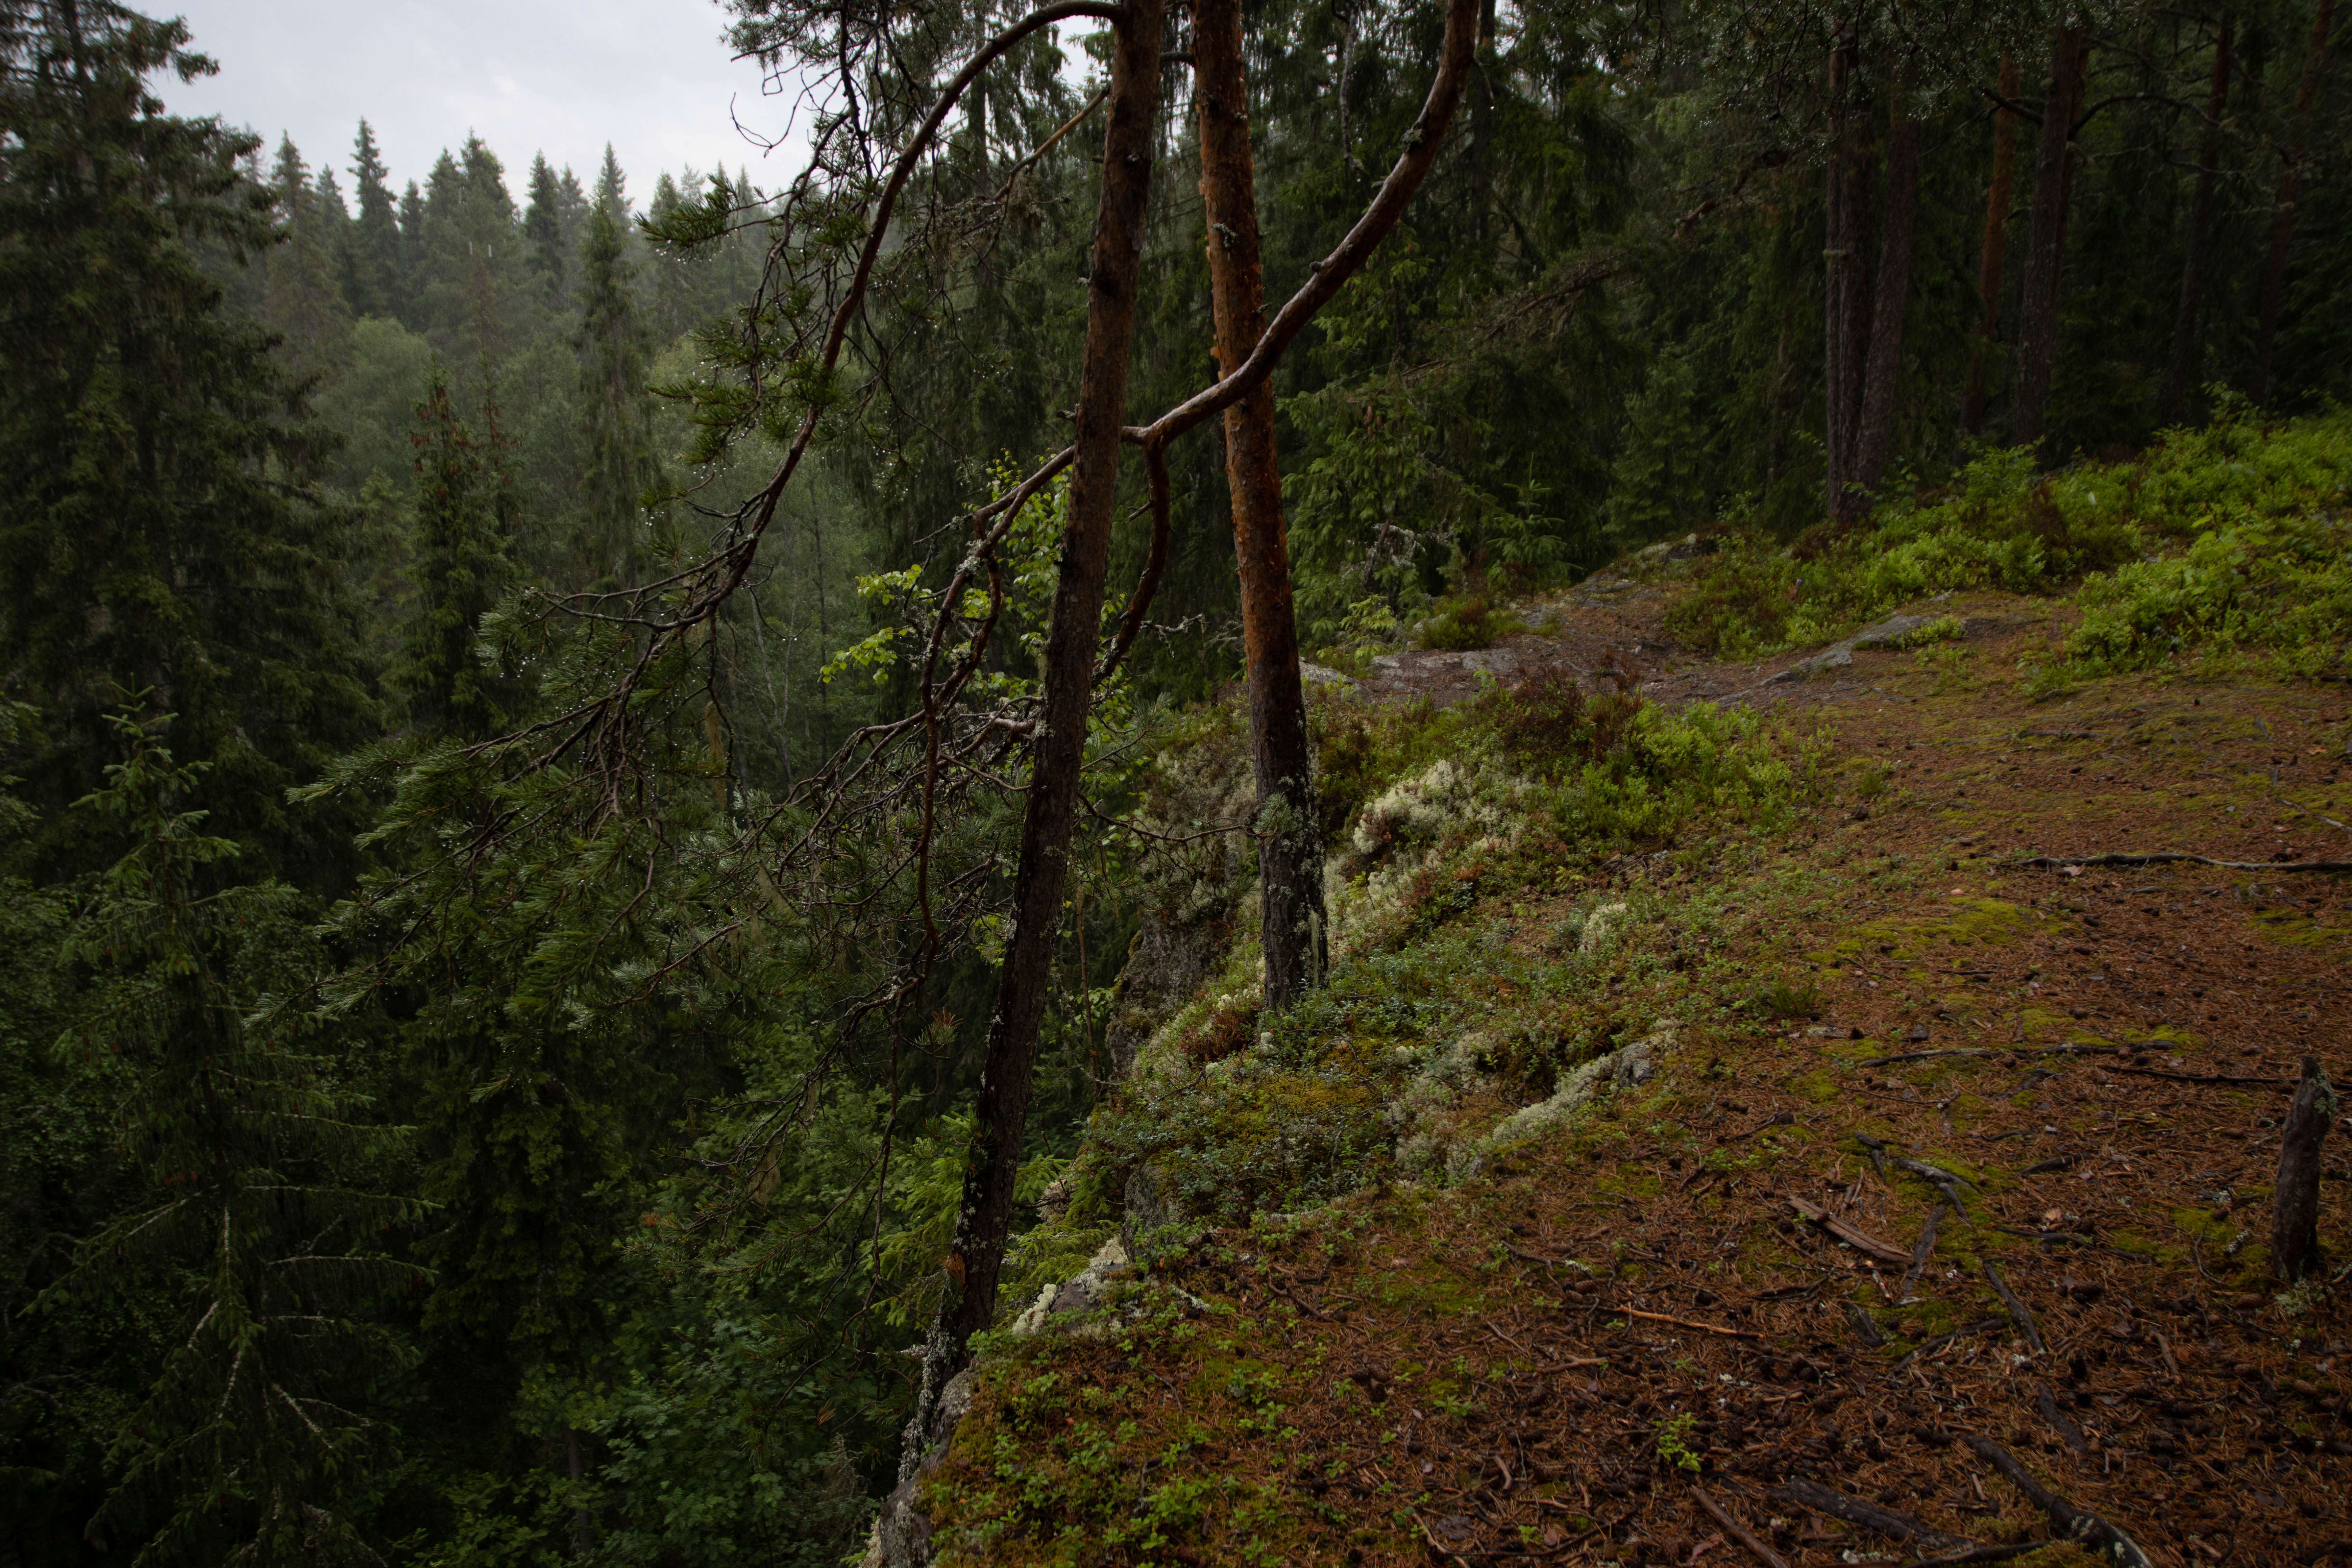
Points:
(1950, 663)
(1673, 1434)
(1785, 999)
(1460, 622)
(1943, 628)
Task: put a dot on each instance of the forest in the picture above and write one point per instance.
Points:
(590, 773)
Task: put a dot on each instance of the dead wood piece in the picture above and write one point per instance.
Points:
(1738, 1531)
(1924, 1057)
(1980, 1554)
(2018, 1309)
(2295, 1201)
(2171, 858)
(2057, 1421)
(1860, 1240)
(1783, 1118)
(2055, 1163)
(1869, 1515)
(2281, 1084)
(2089, 1529)
(1863, 1326)
(1919, 1251)
(1981, 1326)
(1686, 1323)
(1946, 1182)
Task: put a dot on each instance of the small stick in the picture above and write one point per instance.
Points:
(2295, 1201)
(1980, 1554)
(2018, 1309)
(1924, 1056)
(1919, 1251)
(1686, 1323)
(1861, 1240)
(2057, 1420)
(1738, 1531)
(1863, 1326)
(2104, 1538)
(1869, 1515)
(2277, 1083)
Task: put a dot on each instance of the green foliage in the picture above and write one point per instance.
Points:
(463, 568)
(255, 1442)
(1466, 621)
(2247, 495)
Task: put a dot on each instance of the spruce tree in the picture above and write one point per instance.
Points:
(542, 232)
(157, 528)
(302, 296)
(250, 1257)
(462, 566)
(373, 283)
(615, 411)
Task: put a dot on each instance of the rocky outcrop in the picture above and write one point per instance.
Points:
(902, 1534)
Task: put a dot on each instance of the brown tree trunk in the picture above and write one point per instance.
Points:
(999, 1111)
(1893, 295)
(2037, 312)
(2283, 220)
(2294, 1200)
(2181, 374)
(1846, 274)
(1290, 840)
(1996, 246)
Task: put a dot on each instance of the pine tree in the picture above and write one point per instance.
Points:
(615, 410)
(463, 567)
(157, 529)
(373, 283)
(613, 188)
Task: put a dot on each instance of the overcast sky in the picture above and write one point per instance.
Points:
(562, 77)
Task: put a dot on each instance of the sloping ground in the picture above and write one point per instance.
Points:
(1950, 1187)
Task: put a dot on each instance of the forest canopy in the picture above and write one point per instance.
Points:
(581, 764)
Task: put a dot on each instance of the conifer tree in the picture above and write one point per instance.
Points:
(373, 283)
(302, 297)
(463, 567)
(156, 528)
(615, 410)
(249, 1445)
(543, 231)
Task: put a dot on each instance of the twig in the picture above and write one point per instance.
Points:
(2057, 1420)
(2018, 1309)
(2089, 1529)
(1869, 1515)
(1860, 1240)
(1863, 1326)
(1980, 1554)
(1924, 1057)
(1686, 1323)
(1919, 1251)
(1738, 1531)
(2284, 1085)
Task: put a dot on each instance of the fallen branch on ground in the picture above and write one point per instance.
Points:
(2089, 1529)
(1739, 1532)
(1869, 1515)
(2018, 1309)
(1860, 1240)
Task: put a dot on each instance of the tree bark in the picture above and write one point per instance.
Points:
(1290, 840)
(1892, 293)
(1845, 273)
(2037, 314)
(2283, 220)
(2180, 374)
(1996, 246)
(2295, 1201)
(1000, 1110)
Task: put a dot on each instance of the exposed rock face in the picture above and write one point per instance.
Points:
(902, 1535)
(1151, 1203)
(1170, 955)
(1627, 1067)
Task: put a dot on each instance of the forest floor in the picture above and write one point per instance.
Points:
(1994, 1195)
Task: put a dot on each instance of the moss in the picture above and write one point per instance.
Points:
(1817, 1087)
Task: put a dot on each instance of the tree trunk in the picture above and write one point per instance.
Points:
(1482, 130)
(1290, 840)
(2037, 313)
(1996, 246)
(999, 1111)
(1846, 305)
(1892, 294)
(2283, 221)
(2295, 1201)
(2181, 374)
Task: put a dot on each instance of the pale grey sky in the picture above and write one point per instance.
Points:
(561, 77)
